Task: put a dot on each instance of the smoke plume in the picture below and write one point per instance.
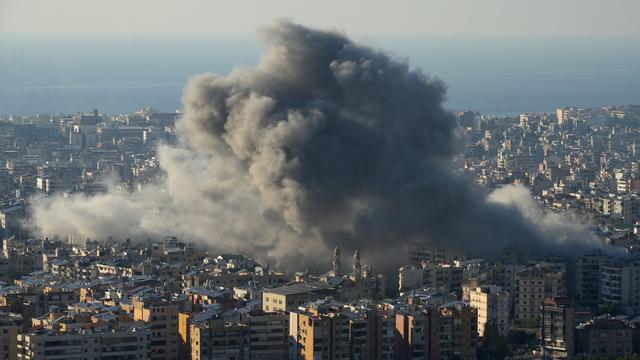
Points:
(323, 142)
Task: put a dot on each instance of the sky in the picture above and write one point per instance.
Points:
(496, 56)
(422, 17)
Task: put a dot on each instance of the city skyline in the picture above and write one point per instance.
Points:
(408, 180)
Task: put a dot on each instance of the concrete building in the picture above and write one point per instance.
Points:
(533, 285)
(216, 338)
(557, 328)
(440, 332)
(292, 296)
(562, 115)
(414, 329)
(268, 335)
(255, 335)
(386, 334)
(459, 333)
(604, 337)
(325, 330)
(95, 344)
(432, 254)
(504, 275)
(620, 284)
(10, 218)
(492, 305)
(587, 278)
(443, 276)
(10, 326)
(410, 277)
(161, 316)
(319, 336)
(434, 276)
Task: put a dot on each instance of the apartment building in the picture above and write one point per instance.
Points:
(492, 305)
(94, 344)
(448, 331)
(290, 297)
(557, 328)
(161, 317)
(10, 326)
(604, 337)
(533, 285)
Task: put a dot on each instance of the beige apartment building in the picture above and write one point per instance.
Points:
(10, 326)
(161, 317)
(130, 343)
(533, 285)
(290, 297)
(438, 332)
(492, 305)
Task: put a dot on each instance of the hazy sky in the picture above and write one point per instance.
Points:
(478, 17)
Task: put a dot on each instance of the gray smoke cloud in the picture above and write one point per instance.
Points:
(323, 142)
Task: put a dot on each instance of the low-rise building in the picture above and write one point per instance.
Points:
(604, 337)
(94, 344)
(290, 297)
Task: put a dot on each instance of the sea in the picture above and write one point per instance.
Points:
(46, 73)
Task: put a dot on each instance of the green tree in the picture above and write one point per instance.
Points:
(520, 338)
(609, 308)
(494, 346)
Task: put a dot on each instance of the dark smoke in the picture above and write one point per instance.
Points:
(324, 141)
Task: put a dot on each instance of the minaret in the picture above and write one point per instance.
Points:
(337, 269)
(357, 268)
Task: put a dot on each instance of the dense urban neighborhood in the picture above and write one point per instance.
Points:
(72, 297)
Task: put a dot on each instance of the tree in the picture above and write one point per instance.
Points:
(494, 346)
(609, 308)
(520, 338)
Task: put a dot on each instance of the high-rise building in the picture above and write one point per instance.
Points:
(216, 338)
(319, 335)
(587, 277)
(439, 332)
(434, 276)
(458, 331)
(492, 305)
(435, 255)
(386, 334)
(466, 119)
(557, 328)
(268, 335)
(444, 276)
(326, 330)
(161, 316)
(620, 284)
(10, 326)
(533, 285)
(255, 335)
(410, 277)
(414, 329)
(562, 115)
(10, 219)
